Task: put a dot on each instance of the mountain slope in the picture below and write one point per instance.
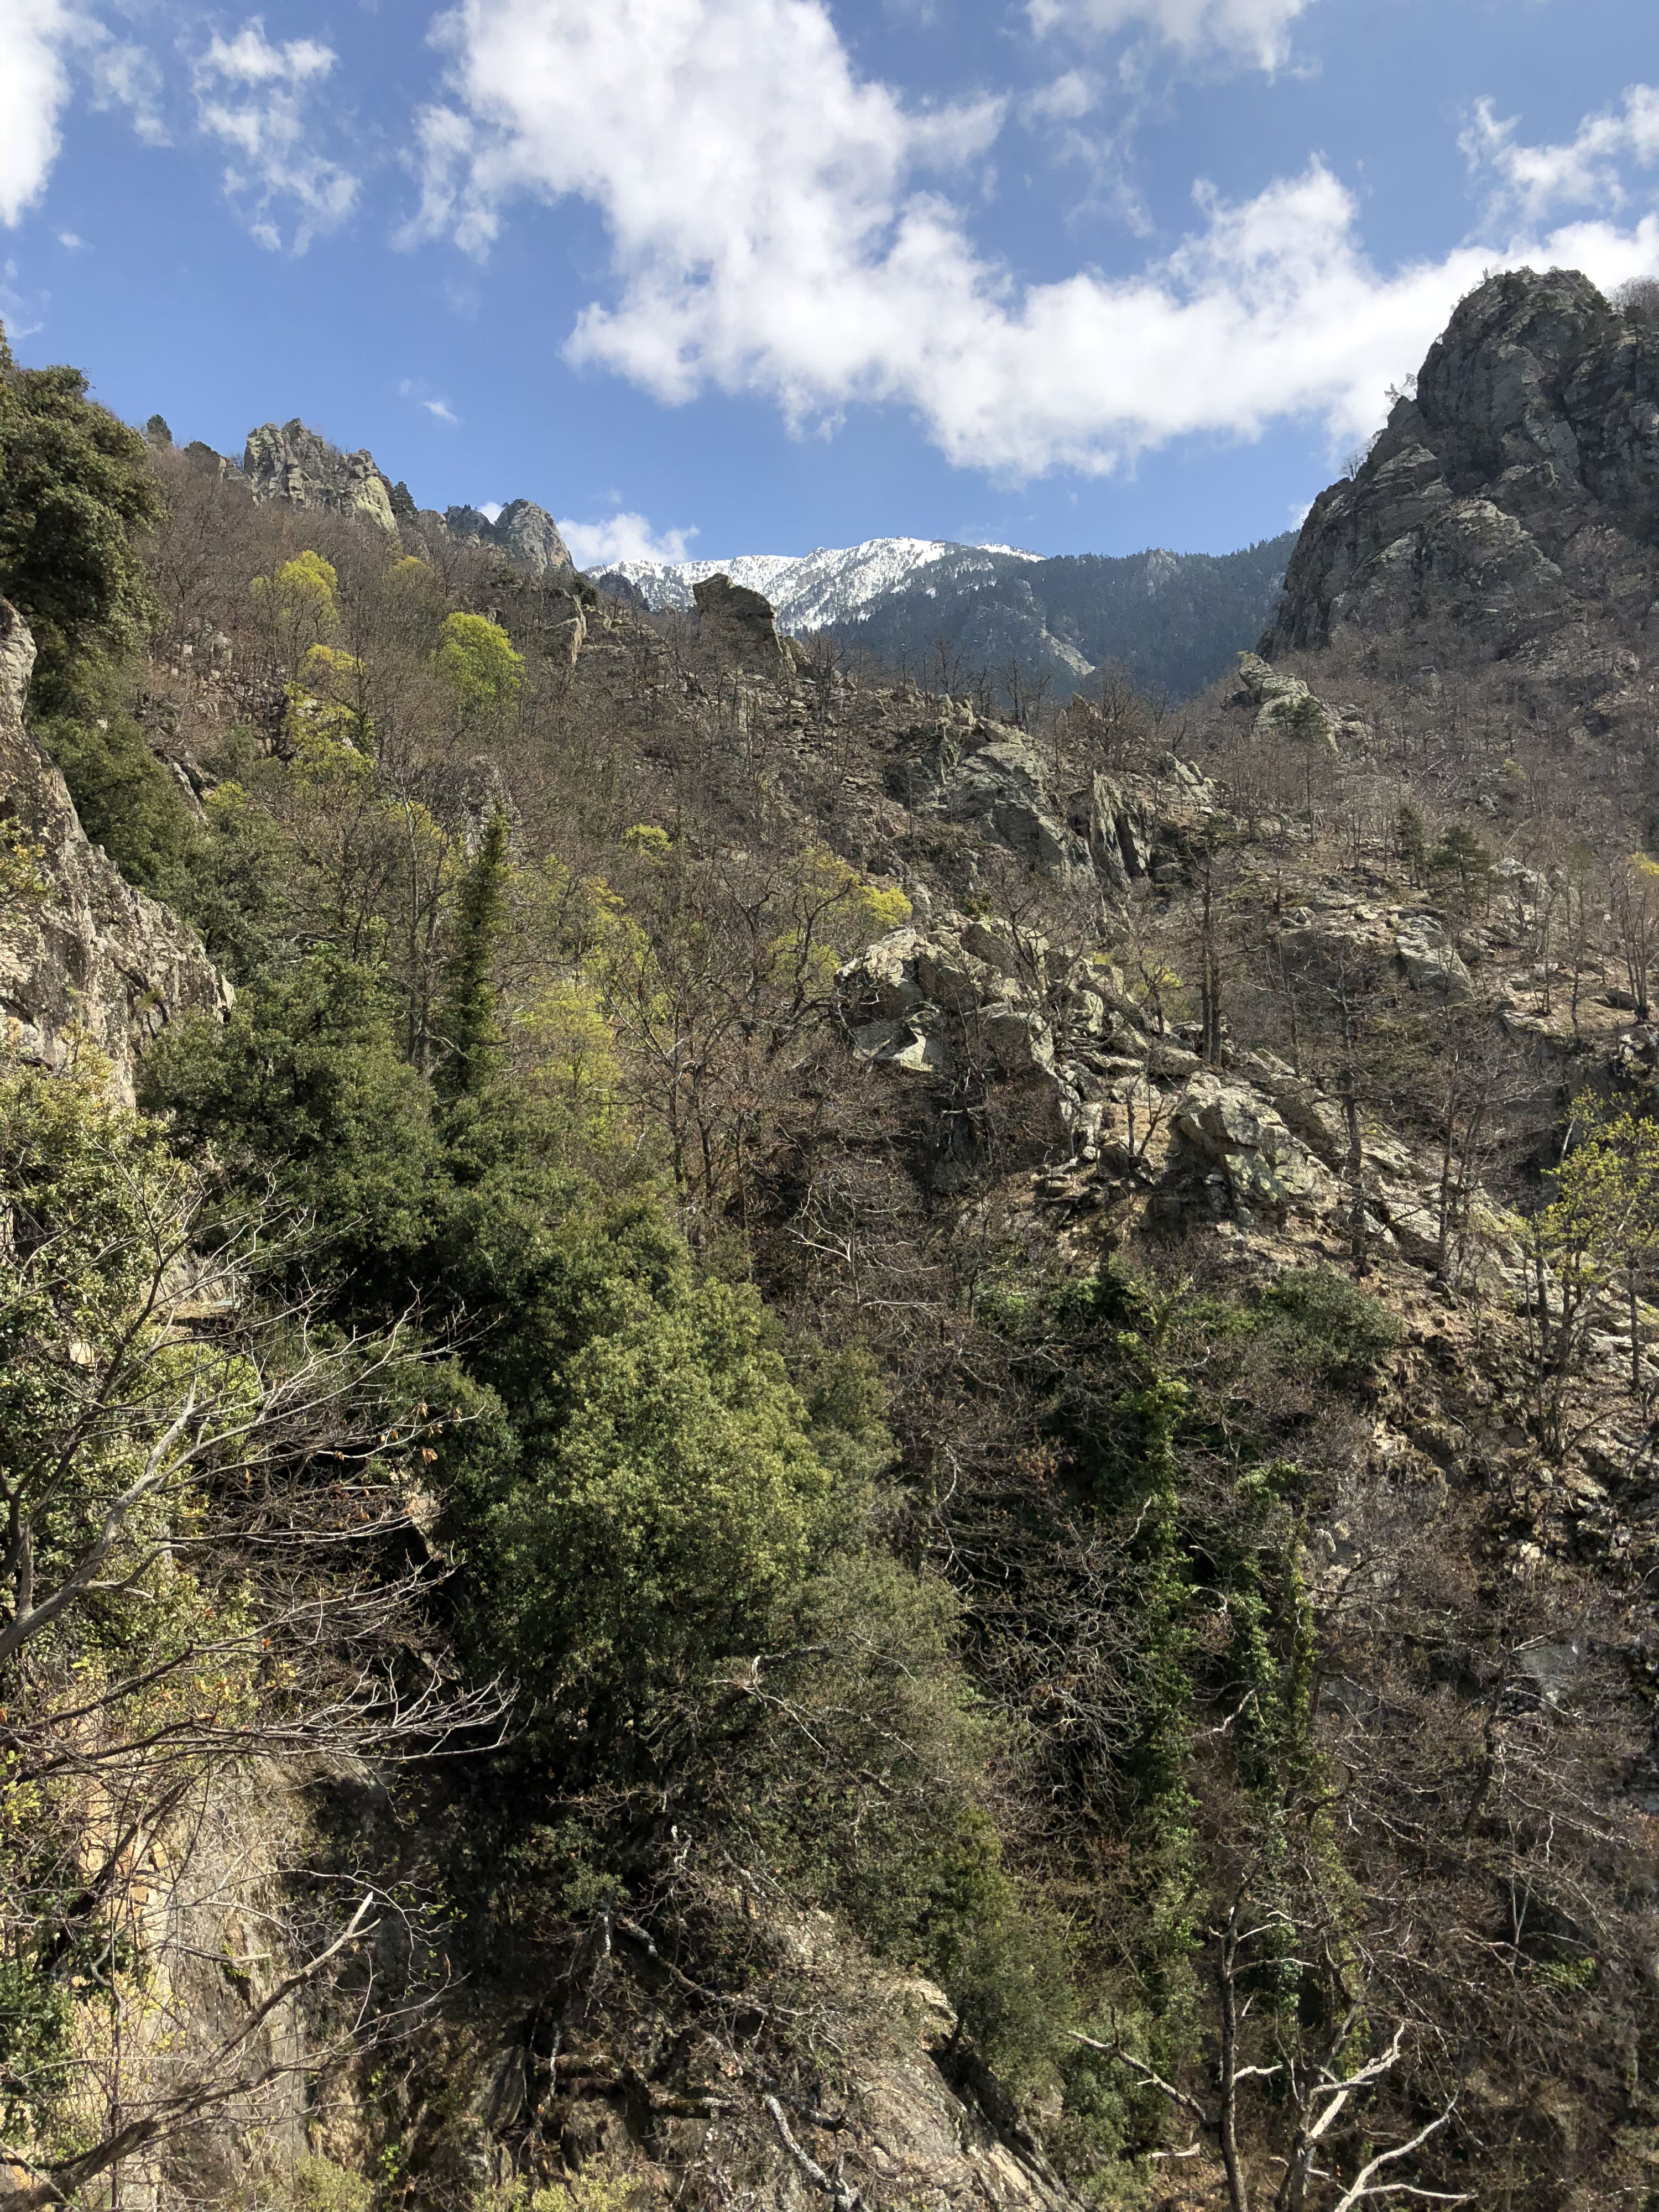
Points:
(964, 612)
(1174, 621)
(816, 590)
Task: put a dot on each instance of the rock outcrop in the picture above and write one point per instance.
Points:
(298, 465)
(743, 623)
(1138, 1122)
(1518, 486)
(525, 532)
(1285, 707)
(996, 781)
(85, 959)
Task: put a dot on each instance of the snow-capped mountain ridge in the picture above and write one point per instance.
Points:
(832, 584)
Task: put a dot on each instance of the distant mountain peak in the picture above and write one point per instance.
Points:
(968, 612)
(810, 591)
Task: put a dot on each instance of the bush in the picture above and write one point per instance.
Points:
(319, 2185)
(1324, 1329)
(76, 491)
(865, 1790)
(305, 1085)
(657, 1519)
(127, 803)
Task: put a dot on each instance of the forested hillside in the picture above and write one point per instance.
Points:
(1169, 624)
(763, 1440)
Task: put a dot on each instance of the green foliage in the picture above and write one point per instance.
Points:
(94, 1370)
(37, 2019)
(1324, 1328)
(903, 1746)
(128, 802)
(75, 494)
(320, 2186)
(600, 2188)
(671, 1501)
(305, 1083)
(235, 888)
(300, 604)
(1169, 1404)
(479, 662)
(469, 1022)
(1463, 865)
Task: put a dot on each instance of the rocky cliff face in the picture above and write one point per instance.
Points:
(526, 533)
(744, 621)
(84, 957)
(1517, 491)
(298, 465)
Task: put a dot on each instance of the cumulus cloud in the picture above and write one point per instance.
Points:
(1256, 32)
(43, 45)
(623, 537)
(252, 95)
(36, 39)
(1587, 171)
(778, 229)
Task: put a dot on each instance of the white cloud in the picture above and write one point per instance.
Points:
(623, 537)
(41, 41)
(1069, 97)
(36, 39)
(1585, 172)
(250, 95)
(772, 236)
(439, 409)
(128, 76)
(69, 239)
(1256, 32)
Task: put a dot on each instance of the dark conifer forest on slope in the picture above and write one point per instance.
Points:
(774, 1432)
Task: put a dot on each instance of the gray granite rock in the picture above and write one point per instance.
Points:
(85, 960)
(1498, 496)
(299, 467)
(743, 623)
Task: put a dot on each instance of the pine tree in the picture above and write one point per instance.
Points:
(1411, 841)
(468, 1024)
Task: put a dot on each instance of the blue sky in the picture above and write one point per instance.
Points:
(711, 276)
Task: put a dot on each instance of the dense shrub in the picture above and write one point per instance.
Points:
(1324, 1328)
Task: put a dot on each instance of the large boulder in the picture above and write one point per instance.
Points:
(85, 959)
(1243, 1147)
(743, 622)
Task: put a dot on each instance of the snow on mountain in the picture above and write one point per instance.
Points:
(834, 584)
